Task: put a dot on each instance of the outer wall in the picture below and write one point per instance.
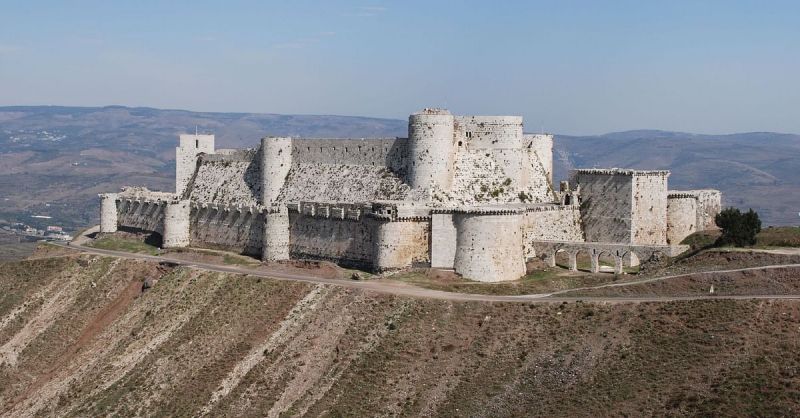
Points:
(606, 207)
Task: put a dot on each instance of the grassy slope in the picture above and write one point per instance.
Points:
(331, 351)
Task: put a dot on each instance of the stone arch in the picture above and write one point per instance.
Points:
(603, 255)
(632, 257)
(581, 255)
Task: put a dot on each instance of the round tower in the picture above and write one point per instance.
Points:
(390, 245)
(276, 160)
(108, 212)
(276, 234)
(176, 224)
(430, 149)
(489, 246)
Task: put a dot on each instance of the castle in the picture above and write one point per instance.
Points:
(470, 193)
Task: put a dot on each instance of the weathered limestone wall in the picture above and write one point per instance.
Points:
(431, 151)
(606, 205)
(498, 136)
(344, 237)
(628, 206)
(489, 246)
(239, 229)
(709, 204)
(141, 214)
(389, 153)
(108, 212)
(276, 161)
(689, 211)
(400, 244)
(276, 234)
(443, 240)
(550, 223)
(176, 224)
(341, 183)
(540, 149)
(233, 179)
(681, 217)
(649, 211)
(186, 157)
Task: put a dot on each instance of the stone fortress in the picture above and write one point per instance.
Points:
(470, 193)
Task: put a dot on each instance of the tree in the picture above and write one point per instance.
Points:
(738, 229)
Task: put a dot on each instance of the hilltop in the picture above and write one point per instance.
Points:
(56, 159)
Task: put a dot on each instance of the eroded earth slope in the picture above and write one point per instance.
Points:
(94, 336)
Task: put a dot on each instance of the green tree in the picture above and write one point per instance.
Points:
(738, 229)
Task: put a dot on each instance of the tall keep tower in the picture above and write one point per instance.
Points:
(186, 157)
(430, 149)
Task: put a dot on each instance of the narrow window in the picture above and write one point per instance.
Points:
(197, 143)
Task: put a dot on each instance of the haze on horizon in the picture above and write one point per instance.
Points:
(575, 67)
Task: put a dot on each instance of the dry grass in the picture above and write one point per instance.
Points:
(123, 243)
(354, 353)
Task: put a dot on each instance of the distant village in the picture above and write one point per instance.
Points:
(50, 232)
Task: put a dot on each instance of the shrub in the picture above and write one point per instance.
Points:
(738, 229)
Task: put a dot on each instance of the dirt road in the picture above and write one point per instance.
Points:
(412, 291)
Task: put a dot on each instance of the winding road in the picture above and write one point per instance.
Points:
(402, 289)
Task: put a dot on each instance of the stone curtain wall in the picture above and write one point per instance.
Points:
(606, 206)
(227, 179)
(390, 153)
(342, 183)
(344, 241)
(551, 223)
(141, 214)
(709, 204)
(227, 228)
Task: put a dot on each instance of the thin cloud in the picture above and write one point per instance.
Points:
(366, 11)
(303, 42)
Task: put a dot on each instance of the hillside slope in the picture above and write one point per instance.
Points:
(79, 337)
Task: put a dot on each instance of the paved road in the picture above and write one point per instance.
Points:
(413, 291)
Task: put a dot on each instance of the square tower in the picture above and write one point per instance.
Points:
(625, 206)
(186, 157)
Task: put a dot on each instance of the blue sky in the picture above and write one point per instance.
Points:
(566, 66)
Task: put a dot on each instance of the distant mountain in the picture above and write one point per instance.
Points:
(54, 159)
(758, 170)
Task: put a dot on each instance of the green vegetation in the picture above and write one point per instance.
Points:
(119, 243)
(238, 260)
(701, 239)
(738, 229)
(538, 281)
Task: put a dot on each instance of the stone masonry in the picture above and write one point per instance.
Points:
(469, 193)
